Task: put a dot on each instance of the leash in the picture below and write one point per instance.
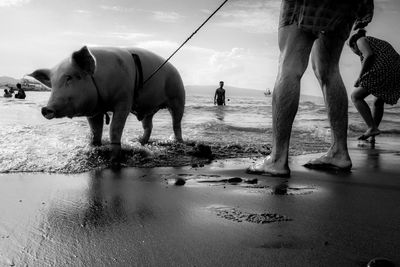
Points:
(165, 62)
(136, 59)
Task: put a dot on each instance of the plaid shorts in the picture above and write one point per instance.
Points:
(320, 16)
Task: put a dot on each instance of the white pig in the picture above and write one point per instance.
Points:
(94, 81)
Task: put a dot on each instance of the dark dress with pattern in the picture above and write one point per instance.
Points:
(382, 80)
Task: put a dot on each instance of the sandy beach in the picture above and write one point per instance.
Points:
(139, 217)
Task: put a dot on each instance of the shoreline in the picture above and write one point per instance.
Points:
(138, 216)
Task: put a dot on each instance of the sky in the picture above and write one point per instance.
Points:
(238, 45)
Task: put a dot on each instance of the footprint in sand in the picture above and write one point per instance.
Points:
(236, 215)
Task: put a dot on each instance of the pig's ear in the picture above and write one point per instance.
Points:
(42, 75)
(84, 60)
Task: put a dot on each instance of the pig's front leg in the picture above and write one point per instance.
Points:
(96, 127)
(117, 126)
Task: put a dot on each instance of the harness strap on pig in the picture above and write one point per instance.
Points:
(139, 77)
(100, 101)
(138, 85)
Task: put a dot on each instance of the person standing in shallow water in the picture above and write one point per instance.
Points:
(219, 97)
(379, 76)
(319, 28)
(21, 93)
(7, 93)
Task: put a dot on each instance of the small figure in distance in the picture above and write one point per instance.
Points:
(219, 97)
(21, 93)
(7, 93)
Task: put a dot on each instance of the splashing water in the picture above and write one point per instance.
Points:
(30, 143)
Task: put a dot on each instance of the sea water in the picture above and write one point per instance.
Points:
(31, 143)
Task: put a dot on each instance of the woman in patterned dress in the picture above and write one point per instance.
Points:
(379, 76)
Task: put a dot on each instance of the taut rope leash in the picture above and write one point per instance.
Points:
(165, 62)
(137, 60)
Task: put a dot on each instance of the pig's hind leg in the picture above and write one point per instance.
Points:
(96, 127)
(147, 124)
(176, 109)
(116, 129)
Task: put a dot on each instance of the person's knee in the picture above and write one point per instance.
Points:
(325, 72)
(378, 103)
(355, 96)
(293, 64)
(291, 73)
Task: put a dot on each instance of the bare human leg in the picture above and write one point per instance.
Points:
(325, 61)
(377, 111)
(358, 96)
(377, 114)
(295, 47)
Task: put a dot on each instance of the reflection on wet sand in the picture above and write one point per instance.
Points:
(111, 201)
(135, 217)
(105, 202)
(373, 159)
(372, 154)
(220, 113)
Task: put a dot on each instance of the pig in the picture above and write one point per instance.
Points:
(94, 81)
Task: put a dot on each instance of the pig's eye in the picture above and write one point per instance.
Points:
(68, 78)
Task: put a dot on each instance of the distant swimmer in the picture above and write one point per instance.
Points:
(219, 97)
(7, 93)
(21, 93)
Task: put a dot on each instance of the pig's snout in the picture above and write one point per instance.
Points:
(48, 113)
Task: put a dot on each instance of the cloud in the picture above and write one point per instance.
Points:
(82, 11)
(252, 16)
(115, 8)
(128, 35)
(119, 35)
(166, 16)
(163, 16)
(387, 6)
(13, 2)
(158, 45)
(228, 60)
(238, 66)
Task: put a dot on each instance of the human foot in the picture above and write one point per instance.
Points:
(371, 132)
(328, 162)
(269, 167)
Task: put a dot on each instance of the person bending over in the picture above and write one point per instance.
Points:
(379, 76)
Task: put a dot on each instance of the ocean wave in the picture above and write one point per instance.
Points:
(390, 131)
(221, 127)
(83, 158)
(361, 127)
(307, 105)
(245, 109)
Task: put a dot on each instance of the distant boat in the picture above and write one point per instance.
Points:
(267, 92)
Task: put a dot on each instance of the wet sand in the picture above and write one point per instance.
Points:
(220, 216)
